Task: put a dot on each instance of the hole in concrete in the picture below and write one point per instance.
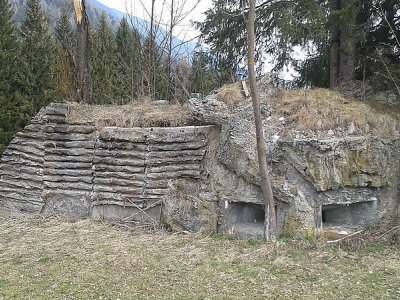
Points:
(355, 214)
(246, 218)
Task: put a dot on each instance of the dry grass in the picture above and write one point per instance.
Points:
(231, 94)
(322, 110)
(137, 114)
(88, 260)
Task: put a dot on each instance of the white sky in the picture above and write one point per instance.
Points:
(142, 9)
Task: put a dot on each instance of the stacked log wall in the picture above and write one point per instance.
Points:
(57, 168)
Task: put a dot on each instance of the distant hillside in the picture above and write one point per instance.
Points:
(94, 10)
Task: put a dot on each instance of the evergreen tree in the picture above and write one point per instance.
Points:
(207, 73)
(128, 62)
(38, 53)
(103, 63)
(337, 37)
(15, 108)
(155, 65)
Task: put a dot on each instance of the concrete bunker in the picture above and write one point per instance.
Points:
(357, 214)
(110, 168)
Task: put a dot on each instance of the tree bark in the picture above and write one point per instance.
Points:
(270, 217)
(347, 44)
(334, 44)
(83, 79)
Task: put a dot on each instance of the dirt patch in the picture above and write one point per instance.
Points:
(137, 114)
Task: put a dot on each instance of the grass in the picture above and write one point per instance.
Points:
(137, 114)
(323, 110)
(89, 260)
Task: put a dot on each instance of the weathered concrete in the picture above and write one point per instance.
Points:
(198, 178)
(79, 171)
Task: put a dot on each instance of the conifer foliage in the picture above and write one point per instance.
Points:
(16, 108)
(38, 56)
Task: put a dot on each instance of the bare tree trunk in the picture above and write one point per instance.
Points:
(335, 45)
(83, 79)
(270, 217)
(152, 66)
(347, 45)
(169, 73)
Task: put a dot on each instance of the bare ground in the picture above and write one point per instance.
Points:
(52, 259)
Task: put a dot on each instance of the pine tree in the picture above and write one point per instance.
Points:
(103, 63)
(128, 62)
(38, 51)
(15, 108)
(338, 38)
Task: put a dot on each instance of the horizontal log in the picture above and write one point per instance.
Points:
(68, 158)
(68, 185)
(99, 167)
(69, 152)
(21, 169)
(67, 193)
(68, 128)
(179, 146)
(156, 134)
(15, 175)
(21, 198)
(68, 172)
(175, 174)
(131, 190)
(122, 197)
(68, 145)
(171, 154)
(29, 150)
(120, 175)
(57, 109)
(120, 154)
(134, 202)
(26, 156)
(159, 192)
(20, 161)
(66, 178)
(39, 145)
(67, 165)
(69, 137)
(8, 190)
(118, 182)
(34, 136)
(174, 168)
(118, 161)
(172, 160)
(33, 128)
(18, 183)
(110, 145)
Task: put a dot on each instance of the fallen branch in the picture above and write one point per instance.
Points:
(346, 237)
(390, 230)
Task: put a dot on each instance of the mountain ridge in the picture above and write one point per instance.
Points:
(53, 9)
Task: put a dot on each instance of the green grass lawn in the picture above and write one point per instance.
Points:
(89, 260)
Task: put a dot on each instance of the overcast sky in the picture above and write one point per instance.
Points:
(142, 8)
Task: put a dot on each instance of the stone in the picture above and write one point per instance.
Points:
(183, 211)
(351, 129)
